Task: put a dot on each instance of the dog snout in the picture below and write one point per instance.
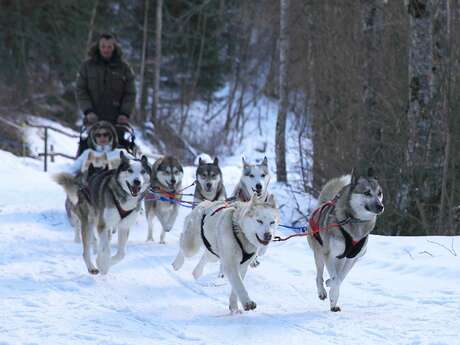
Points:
(208, 185)
(173, 181)
(379, 208)
(267, 236)
(258, 187)
(136, 182)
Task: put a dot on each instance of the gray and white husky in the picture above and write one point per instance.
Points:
(344, 228)
(166, 181)
(254, 179)
(232, 233)
(110, 202)
(209, 182)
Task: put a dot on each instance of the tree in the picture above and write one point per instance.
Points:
(280, 142)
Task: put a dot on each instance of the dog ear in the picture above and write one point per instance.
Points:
(156, 165)
(354, 177)
(145, 164)
(216, 161)
(124, 163)
(200, 161)
(244, 161)
(265, 161)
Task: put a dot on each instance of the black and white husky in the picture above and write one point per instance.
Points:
(343, 228)
(110, 202)
(166, 182)
(232, 233)
(209, 182)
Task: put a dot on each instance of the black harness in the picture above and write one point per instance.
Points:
(246, 255)
(352, 247)
(121, 211)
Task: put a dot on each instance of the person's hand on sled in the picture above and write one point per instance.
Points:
(90, 118)
(123, 119)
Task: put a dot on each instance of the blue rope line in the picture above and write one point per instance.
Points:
(301, 228)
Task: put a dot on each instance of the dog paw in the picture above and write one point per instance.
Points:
(162, 242)
(93, 271)
(251, 305)
(149, 239)
(322, 295)
(335, 309)
(255, 263)
(235, 311)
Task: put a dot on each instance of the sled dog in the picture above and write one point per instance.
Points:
(232, 233)
(350, 206)
(111, 200)
(166, 182)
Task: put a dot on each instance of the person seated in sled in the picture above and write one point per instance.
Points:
(105, 88)
(102, 150)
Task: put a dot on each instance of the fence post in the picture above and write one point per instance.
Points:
(46, 149)
(52, 153)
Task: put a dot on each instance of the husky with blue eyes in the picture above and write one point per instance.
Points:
(232, 233)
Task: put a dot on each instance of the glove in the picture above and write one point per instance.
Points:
(91, 118)
(123, 119)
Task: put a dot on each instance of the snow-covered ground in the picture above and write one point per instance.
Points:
(404, 291)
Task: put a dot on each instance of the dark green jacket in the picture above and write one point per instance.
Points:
(106, 88)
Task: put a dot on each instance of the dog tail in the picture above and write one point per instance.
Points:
(332, 187)
(67, 181)
(190, 238)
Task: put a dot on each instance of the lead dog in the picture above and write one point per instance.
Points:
(345, 225)
(232, 233)
(111, 201)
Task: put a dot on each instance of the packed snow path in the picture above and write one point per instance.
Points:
(404, 291)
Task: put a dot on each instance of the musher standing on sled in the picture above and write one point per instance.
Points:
(105, 85)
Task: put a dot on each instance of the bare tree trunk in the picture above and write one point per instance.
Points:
(142, 89)
(441, 76)
(280, 149)
(156, 87)
(373, 65)
(91, 24)
(419, 117)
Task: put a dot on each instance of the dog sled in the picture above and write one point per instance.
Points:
(125, 134)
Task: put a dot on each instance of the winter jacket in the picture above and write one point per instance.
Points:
(106, 88)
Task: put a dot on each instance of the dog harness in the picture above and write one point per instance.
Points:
(121, 211)
(246, 255)
(352, 247)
